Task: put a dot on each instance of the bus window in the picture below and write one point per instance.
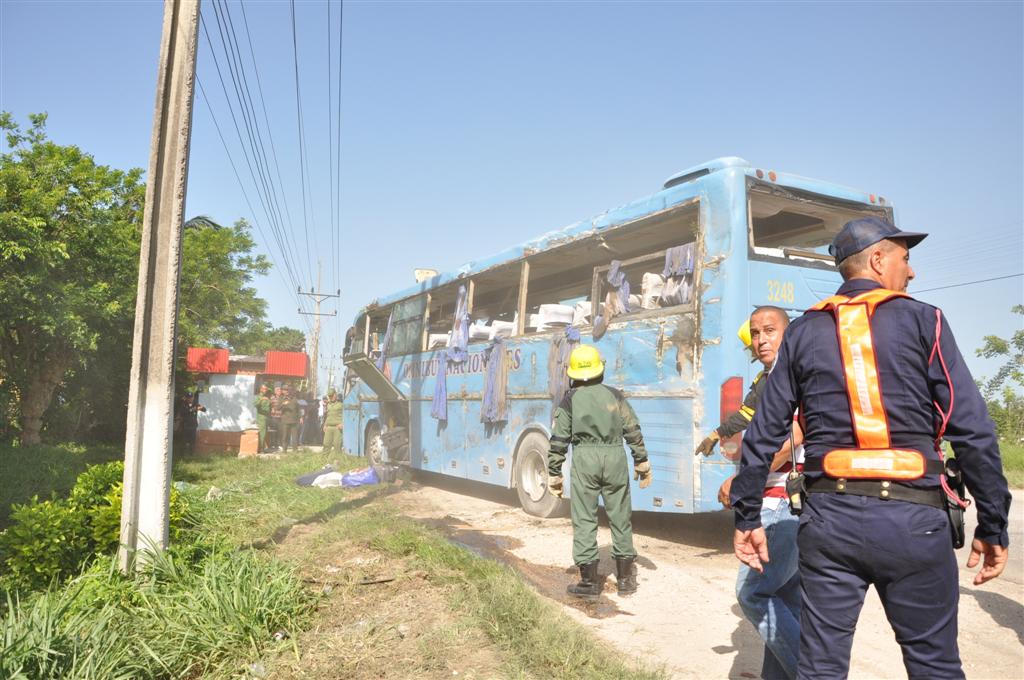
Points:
(356, 336)
(440, 316)
(644, 253)
(558, 289)
(493, 303)
(797, 226)
(407, 325)
(378, 329)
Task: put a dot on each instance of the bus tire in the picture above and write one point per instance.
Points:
(532, 478)
(373, 444)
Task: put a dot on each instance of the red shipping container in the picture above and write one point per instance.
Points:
(286, 363)
(206, 360)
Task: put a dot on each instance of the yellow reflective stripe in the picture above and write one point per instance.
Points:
(853, 323)
(865, 394)
(747, 412)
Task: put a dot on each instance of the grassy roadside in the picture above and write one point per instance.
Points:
(491, 625)
(296, 582)
(1013, 463)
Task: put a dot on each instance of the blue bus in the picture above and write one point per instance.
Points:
(459, 374)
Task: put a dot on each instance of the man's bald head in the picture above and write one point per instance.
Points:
(767, 324)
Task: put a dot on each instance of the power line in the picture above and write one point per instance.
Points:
(268, 212)
(337, 175)
(303, 167)
(330, 137)
(967, 283)
(244, 96)
(266, 118)
(251, 158)
(241, 186)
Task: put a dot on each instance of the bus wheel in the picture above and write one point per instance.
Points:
(532, 478)
(373, 446)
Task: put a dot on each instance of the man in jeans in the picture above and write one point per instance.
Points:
(770, 600)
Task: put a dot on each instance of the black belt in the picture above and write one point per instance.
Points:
(886, 490)
(931, 466)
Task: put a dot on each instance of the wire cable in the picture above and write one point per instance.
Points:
(302, 135)
(967, 283)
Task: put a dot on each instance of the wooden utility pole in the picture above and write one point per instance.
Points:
(147, 463)
(317, 299)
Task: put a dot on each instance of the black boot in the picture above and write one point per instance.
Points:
(588, 587)
(625, 575)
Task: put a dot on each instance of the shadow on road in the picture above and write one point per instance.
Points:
(710, 530)
(746, 645)
(1006, 612)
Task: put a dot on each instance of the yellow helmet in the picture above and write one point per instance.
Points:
(744, 334)
(585, 363)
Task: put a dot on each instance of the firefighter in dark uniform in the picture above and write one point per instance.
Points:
(879, 380)
(594, 419)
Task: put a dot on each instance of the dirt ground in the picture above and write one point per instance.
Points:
(379, 619)
(684, 616)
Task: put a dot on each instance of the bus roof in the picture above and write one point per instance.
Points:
(668, 196)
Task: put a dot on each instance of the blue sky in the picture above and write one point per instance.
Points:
(468, 127)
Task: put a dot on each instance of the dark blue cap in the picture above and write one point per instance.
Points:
(857, 235)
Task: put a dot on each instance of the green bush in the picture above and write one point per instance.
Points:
(54, 539)
(47, 539)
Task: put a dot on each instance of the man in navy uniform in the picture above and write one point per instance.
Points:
(879, 379)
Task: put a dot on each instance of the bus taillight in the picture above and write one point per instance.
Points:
(730, 401)
(732, 397)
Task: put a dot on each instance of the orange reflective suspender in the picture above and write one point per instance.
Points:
(873, 458)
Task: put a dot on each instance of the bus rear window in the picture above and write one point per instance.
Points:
(797, 226)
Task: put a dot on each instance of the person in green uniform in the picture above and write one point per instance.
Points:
(332, 422)
(262, 413)
(291, 418)
(595, 418)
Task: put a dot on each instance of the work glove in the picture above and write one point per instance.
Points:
(642, 471)
(707, 447)
(555, 486)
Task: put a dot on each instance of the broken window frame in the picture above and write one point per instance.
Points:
(600, 282)
(794, 256)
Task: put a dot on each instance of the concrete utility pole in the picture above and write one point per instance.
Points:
(317, 298)
(147, 463)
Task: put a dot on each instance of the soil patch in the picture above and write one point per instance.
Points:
(379, 618)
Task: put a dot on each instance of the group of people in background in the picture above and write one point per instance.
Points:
(287, 419)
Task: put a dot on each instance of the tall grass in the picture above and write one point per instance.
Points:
(172, 620)
(1013, 463)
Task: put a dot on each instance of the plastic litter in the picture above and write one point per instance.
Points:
(327, 479)
(361, 477)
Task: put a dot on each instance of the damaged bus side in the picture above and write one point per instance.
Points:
(659, 285)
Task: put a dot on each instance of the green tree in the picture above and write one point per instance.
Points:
(1013, 350)
(218, 305)
(260, 339)
(69, 250)
(1008, 415)
(69, 235)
